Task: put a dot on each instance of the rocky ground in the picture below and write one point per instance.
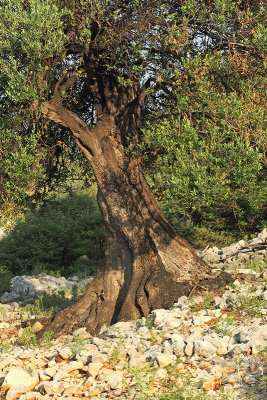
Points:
(208, 346)
(251, 252)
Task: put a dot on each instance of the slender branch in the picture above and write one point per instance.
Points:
(62, 86)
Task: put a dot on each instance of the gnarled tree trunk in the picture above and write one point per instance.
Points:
(147, 266)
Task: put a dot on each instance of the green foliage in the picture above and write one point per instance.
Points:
(28, 338)
(207, 65)
(29, 35)
(5, 347)
(252, 305)
(18, 170)
(115, 354)
(49, 303)
(208, 300)
(77, 344)
(209, 153)
(54, 237)
(149, 321)
(5, 279)
(225, 326)
(39, 308)
(46, 339)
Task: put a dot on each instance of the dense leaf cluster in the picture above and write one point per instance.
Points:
(200, 65)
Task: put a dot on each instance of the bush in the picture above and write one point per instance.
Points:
(54, 237)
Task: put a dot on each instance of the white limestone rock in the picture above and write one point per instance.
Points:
(178, 344)
(16, 391)
(161, 373)
(164, 360)
(52, 388)
(94, 368)
(17, 376)
(113, 378)
(205, 349)
(25, 288)
(65, 352)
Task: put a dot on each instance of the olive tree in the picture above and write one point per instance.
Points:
(99, 69)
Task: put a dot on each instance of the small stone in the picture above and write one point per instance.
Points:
(178, 344)
(17, 376)
(167, 347)
(60, 376)
(52, 388)
(258, 338)
(43, 377)
(83, 359)
(232, 379)
(72, 390)
(93, 392)
(4, 325)
(204, 364)
(31, 396)
(82, 333)
(164, 360)
(189, 349)
(25, 355)
(65, 353)
(73, 366)
(204, 349)
(159, 316)
(99, 342)
(113, 378)
(212, 383)
(15, 391)
(161, 373)
(94, 368)
(89, 351)
(88, 383)
(100, 357)
(50, 372)
(263, 235)
(249, 379)
(144, 332)
(138, 359)
(199, 320)
(37, 326)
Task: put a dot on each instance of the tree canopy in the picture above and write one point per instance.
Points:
(195, 69)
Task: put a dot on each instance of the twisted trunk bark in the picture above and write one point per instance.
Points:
(147, 266)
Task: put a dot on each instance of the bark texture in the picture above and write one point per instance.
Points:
(147, 266)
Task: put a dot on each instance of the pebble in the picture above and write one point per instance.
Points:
(15, 391)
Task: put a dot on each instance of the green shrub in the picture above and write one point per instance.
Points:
(77, 344)
(54, 237)
(49, 303)
(28, 338)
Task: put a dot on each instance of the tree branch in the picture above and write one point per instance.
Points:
(64, 84)
(61, 115)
